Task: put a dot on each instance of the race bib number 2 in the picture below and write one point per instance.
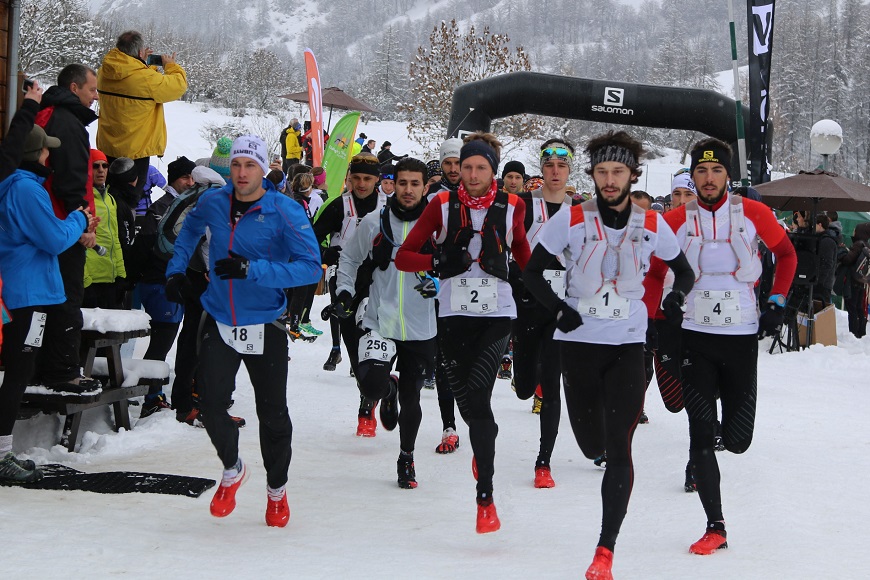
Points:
(243, 339)
(717, 307)
(475, 295)
(606, 305)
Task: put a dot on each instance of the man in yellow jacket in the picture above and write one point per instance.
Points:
(132, 95)
(291, 149)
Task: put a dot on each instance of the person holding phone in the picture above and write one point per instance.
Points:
(133, 92)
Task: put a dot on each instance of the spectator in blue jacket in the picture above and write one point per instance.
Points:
(31, 237)
(266, 245)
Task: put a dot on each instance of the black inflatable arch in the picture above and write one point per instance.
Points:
(476, 104)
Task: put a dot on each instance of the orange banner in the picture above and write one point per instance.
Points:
(315, 106)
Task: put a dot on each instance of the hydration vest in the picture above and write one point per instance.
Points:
(745, 249)
(384, 243)
(589, 267)
(352, 217)
(493, 258)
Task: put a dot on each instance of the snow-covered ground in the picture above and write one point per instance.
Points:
(794, 503)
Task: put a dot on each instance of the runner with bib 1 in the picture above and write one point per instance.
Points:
(243, 339)
(477, 295)
(717, 307)
(606, 304)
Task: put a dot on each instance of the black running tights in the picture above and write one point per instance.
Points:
(604, 394)
(727, 365)
(536, 361)
(472, 347)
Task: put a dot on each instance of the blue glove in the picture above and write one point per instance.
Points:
(428, 286)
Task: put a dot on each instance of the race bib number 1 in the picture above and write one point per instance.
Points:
(372, 346)
(243, 339)
(37, 328)
(556, 280)
(606, 304)
(476, 295)
(717, 307)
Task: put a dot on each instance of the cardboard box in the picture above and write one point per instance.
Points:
(824, 327)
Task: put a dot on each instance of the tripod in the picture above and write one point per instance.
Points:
(799, 300)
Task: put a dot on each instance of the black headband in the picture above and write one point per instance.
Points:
(478, 147)
(368, 168)
(613, 153)
(712, 154)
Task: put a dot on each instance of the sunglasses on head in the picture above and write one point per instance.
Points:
(682, 171)
(559, 152)
(365, 159)
(388, 176)
(101, 165)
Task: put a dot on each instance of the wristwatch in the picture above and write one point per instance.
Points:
(777, 299)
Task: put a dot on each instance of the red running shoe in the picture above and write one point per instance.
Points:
(711, 541)
(600, 568)
(449, 441)
(487, 518)
(277, 512)
(543, 478)
(224, 501)
(367, 425)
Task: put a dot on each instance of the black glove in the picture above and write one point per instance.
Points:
(178, 288)
(428, 287)
(236, 266)
(567, 319)
(771, 320)
(447, 263)
(330, 255)
(672, 306)
(341, 308)
(652, 336)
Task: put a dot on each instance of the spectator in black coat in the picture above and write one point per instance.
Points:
(827, 251)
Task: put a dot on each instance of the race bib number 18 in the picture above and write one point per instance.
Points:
(717, 307)
(243, 339)
(475, 295)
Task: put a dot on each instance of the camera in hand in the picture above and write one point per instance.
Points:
(154, 60)
(26, 85)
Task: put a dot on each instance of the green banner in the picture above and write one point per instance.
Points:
(337, 153)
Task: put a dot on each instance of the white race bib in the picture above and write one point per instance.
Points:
(243, 339)
(606, 304)
(475, 295)
(373, 346)
(37, 328)
(717, 307)
(557, 281)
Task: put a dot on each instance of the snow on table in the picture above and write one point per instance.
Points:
(134, 369)
(101, 320)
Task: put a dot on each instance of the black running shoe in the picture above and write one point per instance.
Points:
(390, 406)
(405, 469)
(12, 471)
(333, 360)
(601, 460)
(643, 418)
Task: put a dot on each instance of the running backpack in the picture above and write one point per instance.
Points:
(171, 222)
(861, 271)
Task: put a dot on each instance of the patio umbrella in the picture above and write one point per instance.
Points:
(815, 191)
(334, 98)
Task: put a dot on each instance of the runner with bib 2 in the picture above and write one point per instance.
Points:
(474, 228)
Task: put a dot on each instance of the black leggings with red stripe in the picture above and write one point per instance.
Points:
(471, 350)
(727, 365)
(604, 395)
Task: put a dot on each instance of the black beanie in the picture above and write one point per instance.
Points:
(482, 148)
(515, 167)
(122, 170)
(365, 163)
(179, 168)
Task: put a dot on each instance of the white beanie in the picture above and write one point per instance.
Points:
(683, 180)
(252, 147)
(450, 148)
